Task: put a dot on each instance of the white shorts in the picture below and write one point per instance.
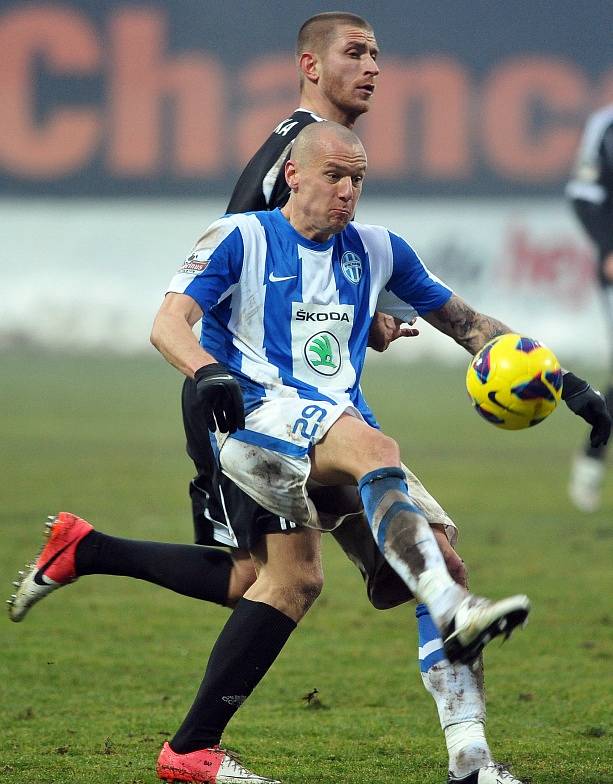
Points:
(269, 460)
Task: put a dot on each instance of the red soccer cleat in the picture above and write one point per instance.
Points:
(54, 567)
(205, 766)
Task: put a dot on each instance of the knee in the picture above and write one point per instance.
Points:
(242, 577)
(456, 568)
(383, 450)
(306, 589)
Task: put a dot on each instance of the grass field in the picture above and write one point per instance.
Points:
(103, 671)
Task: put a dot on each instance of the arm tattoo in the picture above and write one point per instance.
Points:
(465, 325)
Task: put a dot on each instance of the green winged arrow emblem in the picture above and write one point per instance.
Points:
(322, 347)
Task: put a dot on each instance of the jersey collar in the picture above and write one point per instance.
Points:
(306, 243)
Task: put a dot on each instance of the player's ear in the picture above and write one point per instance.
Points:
(291, 175)
(309, 66)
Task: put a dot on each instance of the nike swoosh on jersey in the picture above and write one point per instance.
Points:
(274, 279)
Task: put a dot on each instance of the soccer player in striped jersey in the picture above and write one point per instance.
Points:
(337, 59)
(286, 298)
(591, 194)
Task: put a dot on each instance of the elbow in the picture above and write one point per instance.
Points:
(155, 337)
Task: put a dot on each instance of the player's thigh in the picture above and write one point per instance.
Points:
(350, 449)
(283, 555)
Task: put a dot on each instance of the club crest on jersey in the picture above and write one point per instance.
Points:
(351, 266)
(193, 265)
(322, 352)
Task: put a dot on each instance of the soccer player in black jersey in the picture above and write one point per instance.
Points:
(337, 59)
(591, 195)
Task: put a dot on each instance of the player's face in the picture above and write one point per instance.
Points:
(348, 71)
(329, 187)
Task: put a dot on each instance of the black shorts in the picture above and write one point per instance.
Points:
(225, 515)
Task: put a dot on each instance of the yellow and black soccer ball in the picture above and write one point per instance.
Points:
(514, 382)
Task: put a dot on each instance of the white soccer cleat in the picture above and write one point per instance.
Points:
(205, 766)
(477, 621)
(494, 773)
(585, 484)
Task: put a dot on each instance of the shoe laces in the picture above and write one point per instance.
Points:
(234, 761)
(503, 773)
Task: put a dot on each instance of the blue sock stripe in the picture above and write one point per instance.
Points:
(392, 472)
(433, 658)
(395, 508)
(430, 643)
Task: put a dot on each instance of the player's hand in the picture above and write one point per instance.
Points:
(221, 398)
(385, 329)
(587, 402)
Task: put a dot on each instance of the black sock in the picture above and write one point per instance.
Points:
(248, 644)
(600, 452)
(189, 569)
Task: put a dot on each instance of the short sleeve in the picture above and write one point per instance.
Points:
(214, 268)
(411, 282)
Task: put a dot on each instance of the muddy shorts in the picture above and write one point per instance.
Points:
(225, 515)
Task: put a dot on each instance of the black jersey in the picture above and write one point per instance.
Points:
(262, 184)
(591, 189)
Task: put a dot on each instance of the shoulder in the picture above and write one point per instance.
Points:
(381, 237)
(228, 229)
(291, 126)
(287, 129)
(369, 232)
(598, 124)
(603, 116)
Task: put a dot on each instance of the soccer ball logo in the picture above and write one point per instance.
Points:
(514, 382)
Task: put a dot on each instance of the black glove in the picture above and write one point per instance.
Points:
(587, 402)
(221, 398)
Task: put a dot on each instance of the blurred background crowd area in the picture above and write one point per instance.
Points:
(124, 126)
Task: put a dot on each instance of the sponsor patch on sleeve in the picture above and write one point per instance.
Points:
(195, 264)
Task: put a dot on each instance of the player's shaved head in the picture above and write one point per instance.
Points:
(325, 173)
(314, 136)
(317, 32)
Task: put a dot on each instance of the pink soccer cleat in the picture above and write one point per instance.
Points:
(54, 567)
(208, 766)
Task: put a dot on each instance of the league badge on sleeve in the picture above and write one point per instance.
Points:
(195, 263)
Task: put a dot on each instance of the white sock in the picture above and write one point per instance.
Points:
(436, 588)
(467, 747)
(406, 540)
(459, 696)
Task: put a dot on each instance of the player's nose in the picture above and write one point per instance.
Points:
(371, 69)
(345, 188)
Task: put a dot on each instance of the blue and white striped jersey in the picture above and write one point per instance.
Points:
(289, 316)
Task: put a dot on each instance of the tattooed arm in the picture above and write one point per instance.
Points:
(472, 330)
(465, 325)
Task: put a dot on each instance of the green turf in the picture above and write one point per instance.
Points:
(101, 673)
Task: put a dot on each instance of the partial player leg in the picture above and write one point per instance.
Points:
(588, 471)
(74, 549)
(289, 580)
(351, 449)
(459, 695)
(589, 466)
